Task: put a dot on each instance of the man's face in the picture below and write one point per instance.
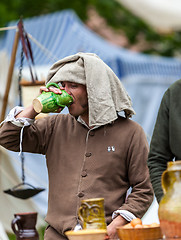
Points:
(80, 100)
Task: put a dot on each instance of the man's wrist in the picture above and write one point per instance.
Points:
(20, 121)
(28, 112)
(128, 216)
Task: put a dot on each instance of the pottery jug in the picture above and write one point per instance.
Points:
(91, 213)
(23, 225)
(169, 210)
(50, 102)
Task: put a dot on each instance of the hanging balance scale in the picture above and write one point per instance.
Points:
(23, 190)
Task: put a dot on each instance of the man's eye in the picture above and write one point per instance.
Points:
(74, 85)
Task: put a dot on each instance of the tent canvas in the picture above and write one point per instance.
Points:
(54, 36)
(10, 205)
(163, 15)
(3, 235)
(10, 167)
(59, 34)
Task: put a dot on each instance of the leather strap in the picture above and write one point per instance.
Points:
(26, 45)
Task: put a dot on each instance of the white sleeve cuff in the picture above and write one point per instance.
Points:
(20, 122)
(125, 214)
(78, 227)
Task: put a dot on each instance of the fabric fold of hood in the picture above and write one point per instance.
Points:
(106, 94)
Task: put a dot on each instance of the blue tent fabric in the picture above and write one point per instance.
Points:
(62, 33)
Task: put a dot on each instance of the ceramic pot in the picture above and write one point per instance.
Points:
(169, 210)
(23, 225)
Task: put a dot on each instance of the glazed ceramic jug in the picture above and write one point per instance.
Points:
(50, 102)
(169, 210)
(23, 225)
(91, 213)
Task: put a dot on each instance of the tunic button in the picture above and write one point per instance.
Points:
(80, 194)
(88, 154)
(91, 133)
(84, 174)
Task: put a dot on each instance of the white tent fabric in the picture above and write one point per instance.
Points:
(3, 235)
(9, 204)
(9, 176)
(163, 15)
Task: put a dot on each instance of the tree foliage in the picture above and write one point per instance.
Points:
(115, 14)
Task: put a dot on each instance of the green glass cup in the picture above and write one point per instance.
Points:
(50, 102)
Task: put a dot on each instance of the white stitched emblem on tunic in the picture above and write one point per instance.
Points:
(111, 148)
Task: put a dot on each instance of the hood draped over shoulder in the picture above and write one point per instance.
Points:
(106, 94)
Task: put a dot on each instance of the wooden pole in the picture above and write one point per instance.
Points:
(10, 73)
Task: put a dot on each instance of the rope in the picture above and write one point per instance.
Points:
(44, 49)
(47, 52)
(8, 28)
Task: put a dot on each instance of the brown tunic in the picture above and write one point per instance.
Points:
(82, 163)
